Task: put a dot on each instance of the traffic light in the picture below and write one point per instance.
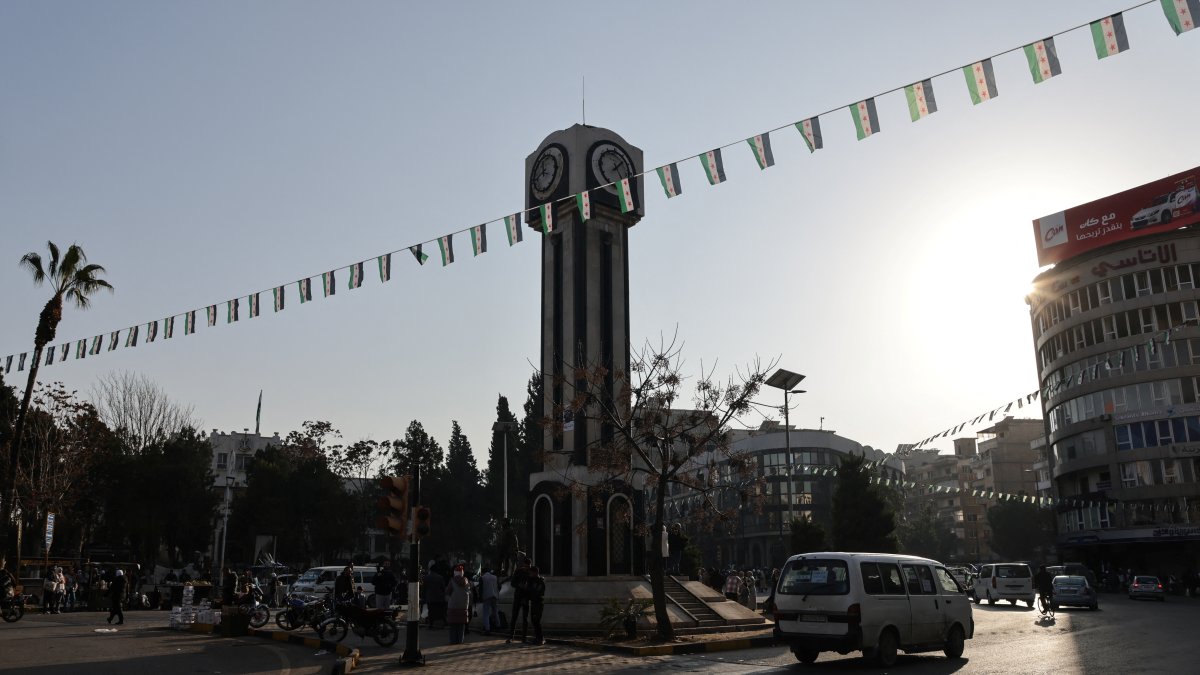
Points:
(421, 522)
(393, 505)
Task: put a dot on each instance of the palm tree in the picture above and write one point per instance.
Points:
(74, 280)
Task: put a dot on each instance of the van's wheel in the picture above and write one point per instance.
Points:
(991, 600)
(977, 599)
(885, 651)
(1012, 602)
(954, 643)
(805, 655)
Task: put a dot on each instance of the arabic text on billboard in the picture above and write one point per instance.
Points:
(1162, 205)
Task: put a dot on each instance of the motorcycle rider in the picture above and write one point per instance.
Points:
(8, 583)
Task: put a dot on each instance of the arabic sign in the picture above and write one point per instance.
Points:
(49, 529)
(1162, 205)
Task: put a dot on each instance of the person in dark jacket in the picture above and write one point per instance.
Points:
(385, 585)
(435, 598)
(520, 607)
(116, 596)
(343, 585)
(535, 590)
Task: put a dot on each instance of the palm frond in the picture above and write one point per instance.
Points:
(33, 262)
(53, 271)
(71, 262)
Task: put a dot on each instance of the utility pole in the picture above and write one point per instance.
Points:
(412, 649)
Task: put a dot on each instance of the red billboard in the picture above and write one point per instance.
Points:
(1164, 204)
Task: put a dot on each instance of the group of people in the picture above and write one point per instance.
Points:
(451, 602)
(740, 586)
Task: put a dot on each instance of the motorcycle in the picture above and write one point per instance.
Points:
(252, 606)
(12, 607)
(378, 624)
(300, 612)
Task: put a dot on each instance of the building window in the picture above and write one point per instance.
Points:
(1104, 291)
(241, 462)
(1141, 282)
(1170, 471)
(222, 460)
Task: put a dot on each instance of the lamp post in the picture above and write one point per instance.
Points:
(229, 480)
(787, 381)
(504, 427)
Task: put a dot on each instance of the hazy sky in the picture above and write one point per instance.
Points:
(204, 151)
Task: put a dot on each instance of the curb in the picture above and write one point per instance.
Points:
(677, 648)
(348, 656)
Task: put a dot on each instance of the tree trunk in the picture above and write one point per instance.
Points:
(665, 630)
(9, 526)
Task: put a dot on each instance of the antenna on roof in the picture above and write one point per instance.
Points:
(583, 98)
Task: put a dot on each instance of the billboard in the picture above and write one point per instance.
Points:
(1164, 204)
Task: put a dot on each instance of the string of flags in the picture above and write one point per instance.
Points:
(1110, 360)
(1109, 38)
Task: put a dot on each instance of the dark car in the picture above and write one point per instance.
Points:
(1147, 587)
(1074, 591)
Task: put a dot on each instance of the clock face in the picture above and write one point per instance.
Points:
(610, 163)
(547, 172)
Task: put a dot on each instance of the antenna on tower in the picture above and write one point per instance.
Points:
(583, 98)
(822, 425)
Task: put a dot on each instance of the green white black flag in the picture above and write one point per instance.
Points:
(416, 251)
(1043, 60)
(761, 146)
(546, 211)
(305, 287)
(1108, 34)
(356, 275)
(1181, 14)
(810, 129)
(625, 195)
(50, 355)
(231, 311)
(328, 283)
(385, 267)
(168, 328)
(669, 177)
(131, 337)
(212, 315)
(189, 322)
(512, 227)
(479, 239)
(446, 246)
(584, 204)
(151, 331)
(921, 102)
(866, 120)
(97, 343)
(714, 168)
(254, 308)
(277, 294)
(981, 81)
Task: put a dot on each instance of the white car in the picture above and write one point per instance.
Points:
(879, 603)
(1004, 581)
(319, 580)
(1165, 208)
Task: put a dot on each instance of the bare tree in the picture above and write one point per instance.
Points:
(652, 442)
(138, 410)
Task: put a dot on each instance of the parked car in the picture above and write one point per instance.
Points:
(1073, 569)
(1074, 591)
(319, 580)
(1004, 581)
(879, 603)
(1147, 587)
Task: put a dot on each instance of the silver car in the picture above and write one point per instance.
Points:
(1147, 587)
(1074, 591)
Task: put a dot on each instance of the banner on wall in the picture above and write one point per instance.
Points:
(1165, 204)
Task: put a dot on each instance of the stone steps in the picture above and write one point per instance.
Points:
(705, 617)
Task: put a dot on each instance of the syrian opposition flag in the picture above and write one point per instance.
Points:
(1043, 60)
(714, 167)
(479, 239)
(328, 283)
(921, 102)
(231, 310)
(866, 120)
(189, 322)
(546, 211)
(21, 362)
(584, 204)
(64, 351)
(385, 267)
(254, 305)
(761, 146)
(168, 328)
(305, 286)
(1108, 34)
(8, 364)
(1181, 14)
(277, 295)
(625, 195)
(416, 251)
(50, 355)
(131, 337)
(981, 81)
(151, 331)
(512, 227)
(446, 246)
(356, 275)
(669, 177)
(810, 129)
(212, 315)
(97, 342)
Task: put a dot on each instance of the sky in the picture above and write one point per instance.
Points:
(204, 151)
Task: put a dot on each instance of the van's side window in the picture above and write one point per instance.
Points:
(881, 579)
(986, 572)
(891, 579)
(946, 581)
(872, 582)
(918, 584)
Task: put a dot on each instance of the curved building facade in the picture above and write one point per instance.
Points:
(1118, 353)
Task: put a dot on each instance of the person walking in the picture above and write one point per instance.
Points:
(343, 585)
(535, 589)
(435, 598)
(458, 601)
(733, 585)
(520, 607)
(116, 597)
(489, 594)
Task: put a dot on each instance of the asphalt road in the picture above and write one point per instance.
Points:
(1124, 636)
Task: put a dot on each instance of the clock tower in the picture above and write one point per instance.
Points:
(576, 529)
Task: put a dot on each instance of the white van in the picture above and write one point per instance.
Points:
(319, 580)
(879, 603)
(1004, 581)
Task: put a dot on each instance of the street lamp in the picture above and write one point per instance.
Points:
(504, 428)
(229, 481)
(787, 381)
